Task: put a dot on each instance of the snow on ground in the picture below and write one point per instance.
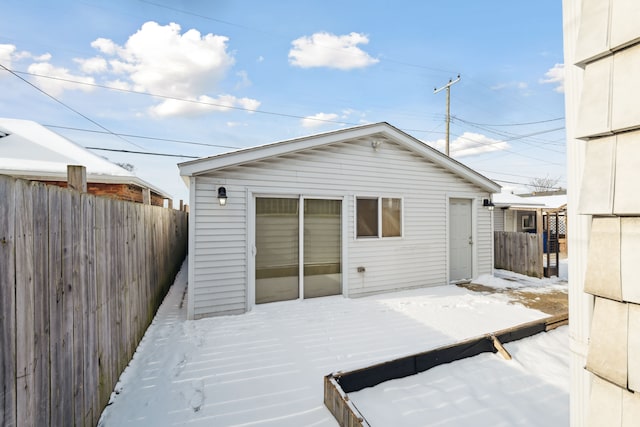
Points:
(266, 367)
(503, 279)
(532, 389)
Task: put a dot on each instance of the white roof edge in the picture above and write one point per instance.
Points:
(200, 166)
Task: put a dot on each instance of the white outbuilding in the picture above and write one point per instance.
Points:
(351, 212)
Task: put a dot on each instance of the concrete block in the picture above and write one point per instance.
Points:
(594, 115)
(624, 22)
(626, 200)
(607, 355)
(626, 89)
(630, 259)
(630, 409)
(605, 404)
(593, 36)
(602, 277)
(634, 348)
(596, 192)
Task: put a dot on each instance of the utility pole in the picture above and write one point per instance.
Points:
(448, 87)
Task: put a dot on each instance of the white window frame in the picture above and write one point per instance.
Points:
(379, 236)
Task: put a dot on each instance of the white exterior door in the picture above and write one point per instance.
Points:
(460, 240)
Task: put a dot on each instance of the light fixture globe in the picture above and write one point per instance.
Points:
(222, 196)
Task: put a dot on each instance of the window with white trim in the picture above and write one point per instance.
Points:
(378, 217)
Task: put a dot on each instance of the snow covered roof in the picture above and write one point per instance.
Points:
(29, 150)
(514, 201)
(550, 202)
(510, 199)
(380, 130)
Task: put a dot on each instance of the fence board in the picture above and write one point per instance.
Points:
(66, 316)
(25, 351)
(102, 306)
(55, 305)
(8, 396)
(41, 303)
(78, 267)
(81, 279)
(517, 252)
(91, 399)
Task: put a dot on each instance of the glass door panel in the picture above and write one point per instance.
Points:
(322, 247)
(277, 255)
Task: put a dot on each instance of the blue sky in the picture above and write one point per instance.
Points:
(221, 74)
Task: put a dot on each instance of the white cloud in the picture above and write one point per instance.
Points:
(555, 75)
(43, 58)
(105, 46)
(119, 84)
(56, 87)
(7, 52)
(95, 65)
(469, 144)
(244, 80)
(332, 51)
(318, 120)
(159, 59)
(202, 105)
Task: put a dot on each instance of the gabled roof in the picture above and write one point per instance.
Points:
(29, 150)
(375, 130)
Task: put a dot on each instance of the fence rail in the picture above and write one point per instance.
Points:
(518, 252)
(80, 280)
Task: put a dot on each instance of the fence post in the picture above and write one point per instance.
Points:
(77, 178)
(146, 196)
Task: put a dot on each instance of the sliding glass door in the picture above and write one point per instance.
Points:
(277, 249)
(322, 247)
(279, 228)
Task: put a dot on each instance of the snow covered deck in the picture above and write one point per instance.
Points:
(266, 367)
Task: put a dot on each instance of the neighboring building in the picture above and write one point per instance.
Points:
(30, 151)
(351, 212)
(514, 213)
(518, 213)
(602, 89)
(521, 213)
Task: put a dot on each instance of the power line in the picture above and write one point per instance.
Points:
(513, 124)
(174, 98)
(144, 137)
(142, 152)
(15, 72)
(65, 105)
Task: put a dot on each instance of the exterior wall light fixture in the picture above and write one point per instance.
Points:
(222, 196)
(488, 204)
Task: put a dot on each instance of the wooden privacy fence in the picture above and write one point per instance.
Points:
(518, 252)
(80, 280)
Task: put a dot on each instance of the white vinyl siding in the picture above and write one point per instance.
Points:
(342, 170)
(219, 251)
(498, 219)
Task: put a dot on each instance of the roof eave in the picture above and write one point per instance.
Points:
(209, 164)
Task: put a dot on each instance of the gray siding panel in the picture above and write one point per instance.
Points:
(346, 170)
